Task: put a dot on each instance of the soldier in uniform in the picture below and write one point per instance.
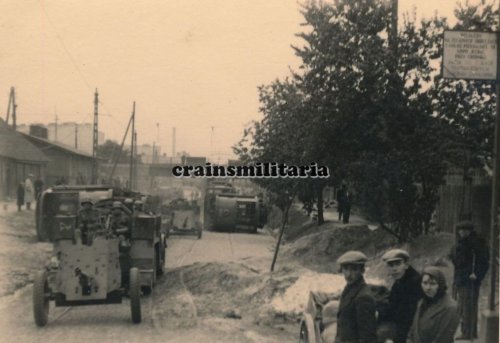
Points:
(119, 219)
(87, 218)
(356, 321)
(120, 226)
(405, 293)
(470, 258)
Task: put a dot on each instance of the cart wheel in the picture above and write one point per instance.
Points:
(41, 301)
(135, 295)
(307, 331)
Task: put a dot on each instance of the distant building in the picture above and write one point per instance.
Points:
(18, 158)
(149, 153)
(67, 165)
(65, 133)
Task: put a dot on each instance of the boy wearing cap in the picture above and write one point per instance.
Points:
(470, 258)
(404, 295)
(356, 320)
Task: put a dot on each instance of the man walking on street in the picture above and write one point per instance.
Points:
(405, 293)
(470, 258)
(341, 199)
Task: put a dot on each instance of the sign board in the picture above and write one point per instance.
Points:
(470, 55)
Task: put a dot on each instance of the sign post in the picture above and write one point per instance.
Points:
(473, 55)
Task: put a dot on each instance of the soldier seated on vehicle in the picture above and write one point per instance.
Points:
(87, 219)
(129, 203)
(138, 206)
(120, 220)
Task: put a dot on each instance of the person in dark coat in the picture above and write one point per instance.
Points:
(20, 196)
(470, 258)
(38, 188)
(436, 319)
(347, 206)
(405, 293)
(341, 200)
(356, 321)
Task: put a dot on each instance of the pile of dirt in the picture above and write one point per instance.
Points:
(318, 251)
(225, 290)
(234, 290)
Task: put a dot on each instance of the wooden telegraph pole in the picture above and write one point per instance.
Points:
(95, 138)
(131, 174)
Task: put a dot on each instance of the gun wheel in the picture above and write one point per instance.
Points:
(135, 295)
(41, 299)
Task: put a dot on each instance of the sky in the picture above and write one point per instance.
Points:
(190, 64)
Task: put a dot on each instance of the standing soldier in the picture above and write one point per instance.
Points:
(405, 293)
(29, 191)
(20, 196)
(356, 321)
(470, 258)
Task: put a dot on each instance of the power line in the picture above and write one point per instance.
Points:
(75, 65)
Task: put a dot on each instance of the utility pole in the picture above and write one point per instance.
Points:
(56, 127)
(76, 136)
(173, 142)
(131, 174)
(135, 159)
(12, 106)
(212, 144)
(490, 318)
(95, 138)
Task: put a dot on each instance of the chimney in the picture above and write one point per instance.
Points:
(39, 131)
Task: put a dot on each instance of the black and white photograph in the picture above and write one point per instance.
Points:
(249, 171)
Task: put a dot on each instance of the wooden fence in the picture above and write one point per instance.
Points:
(450, 202)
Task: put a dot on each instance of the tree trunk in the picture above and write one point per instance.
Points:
(319, 189)
(284, 221)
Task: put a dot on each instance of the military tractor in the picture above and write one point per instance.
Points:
(227, 210)
(104, 249)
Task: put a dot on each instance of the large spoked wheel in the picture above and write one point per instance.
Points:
(307, 333)
(41, 299)
(135, 295)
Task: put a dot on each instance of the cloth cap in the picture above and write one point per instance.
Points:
(86, 201)
(465, 225)
(395, 254)
(352, 257)
(128, 201)
(117, 204)
(138, 202)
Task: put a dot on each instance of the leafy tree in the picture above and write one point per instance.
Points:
(110, 150)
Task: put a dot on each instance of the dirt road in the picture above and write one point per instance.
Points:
(112, 323)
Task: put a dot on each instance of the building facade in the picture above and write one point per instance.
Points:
(18, 159)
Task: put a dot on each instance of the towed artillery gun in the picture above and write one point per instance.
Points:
(99, 263)
(182, 217)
